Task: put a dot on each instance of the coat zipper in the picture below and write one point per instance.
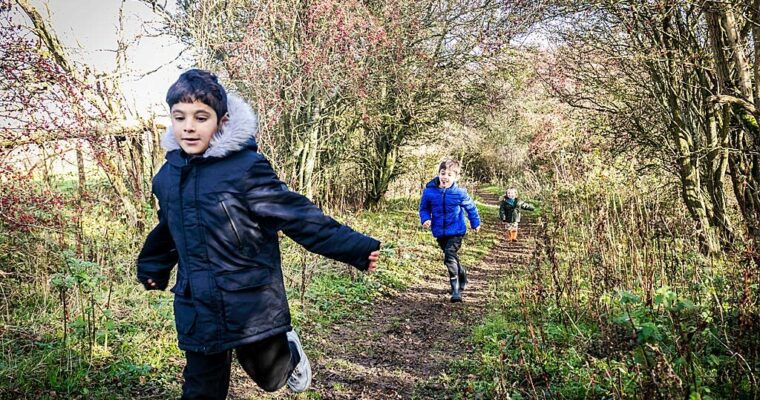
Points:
(443, 200)
(232, 223)
(512, 210)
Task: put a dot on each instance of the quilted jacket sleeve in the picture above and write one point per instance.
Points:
(472, 210)
(425, 208)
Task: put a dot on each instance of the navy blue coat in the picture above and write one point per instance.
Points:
(219, 218)
(446, 209)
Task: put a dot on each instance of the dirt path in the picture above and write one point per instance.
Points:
(399, 348)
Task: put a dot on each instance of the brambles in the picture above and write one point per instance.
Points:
(618, 302)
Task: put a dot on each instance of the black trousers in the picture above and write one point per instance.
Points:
(268, 362)
(450, 246)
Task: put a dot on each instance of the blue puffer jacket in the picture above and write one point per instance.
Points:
(445, 208)
(219, 218)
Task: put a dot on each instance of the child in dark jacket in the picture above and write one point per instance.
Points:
(221, 206)
(442, 208)
(510, 212)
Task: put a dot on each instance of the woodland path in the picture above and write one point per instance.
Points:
(402, 344)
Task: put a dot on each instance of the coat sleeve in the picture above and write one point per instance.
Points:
(472, 210)
(425, 208)
(270, 200)
(526, 206)
(158, 255)
(503, 210)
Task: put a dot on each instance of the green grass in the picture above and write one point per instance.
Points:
(121, 341)
(133, 347)
(538, 343)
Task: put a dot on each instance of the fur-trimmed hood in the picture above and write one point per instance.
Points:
(239, 131)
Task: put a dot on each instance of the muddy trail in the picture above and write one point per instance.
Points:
(400, 347)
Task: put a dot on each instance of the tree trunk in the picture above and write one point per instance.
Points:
(120, 189)
(309, 144)
(383, 173)
(734, 80)
(692, 193)
(740, 168)
(80, 196)
(744, 84)
(136, 165)
(45, 169)
(310, 161)
(756, 48)
(717, 164)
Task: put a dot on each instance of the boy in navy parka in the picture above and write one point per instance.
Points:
(442, 209)
(221, 207)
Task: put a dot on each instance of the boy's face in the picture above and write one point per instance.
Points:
(511, 193)
(447, 178)
(194, 125)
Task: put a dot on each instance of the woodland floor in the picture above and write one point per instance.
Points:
(402, 346)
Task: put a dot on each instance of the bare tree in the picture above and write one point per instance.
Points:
(49, 100)
(673, 78)
(343, 86)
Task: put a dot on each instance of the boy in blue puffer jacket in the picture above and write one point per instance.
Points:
(442, 208)
(221, 207)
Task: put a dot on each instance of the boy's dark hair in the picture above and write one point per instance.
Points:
(450, 165)
(200, 85)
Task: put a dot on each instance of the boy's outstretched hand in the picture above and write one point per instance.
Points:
(373, 257)
(426, 224)
(151, 284)
(477, 230)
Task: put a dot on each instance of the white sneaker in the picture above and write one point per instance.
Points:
(300, 378)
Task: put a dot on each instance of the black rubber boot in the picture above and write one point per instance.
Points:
(462, 278)
(456, 297)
